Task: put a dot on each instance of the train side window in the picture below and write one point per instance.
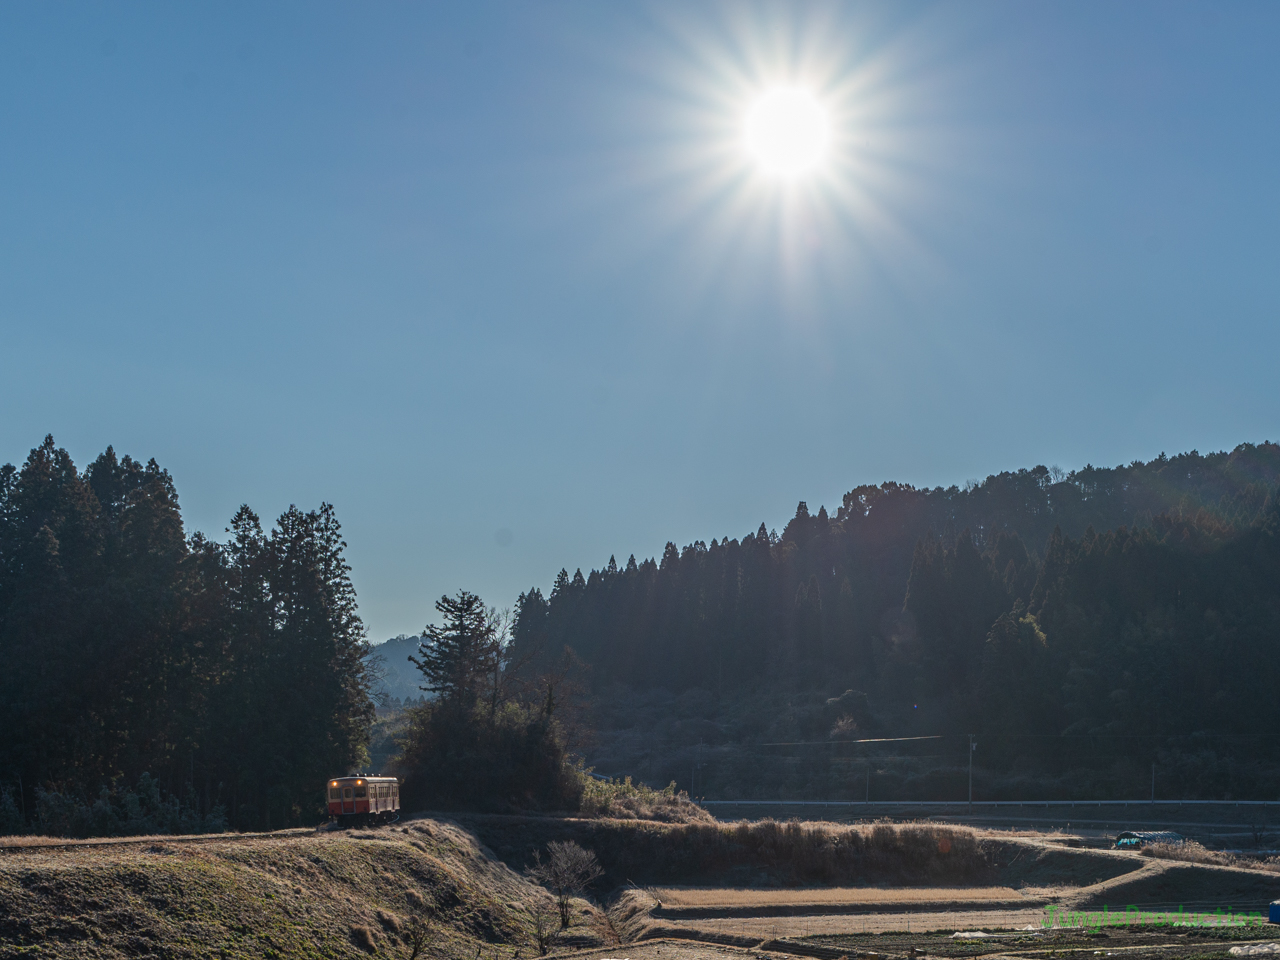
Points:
(382, 791)
(395, 791)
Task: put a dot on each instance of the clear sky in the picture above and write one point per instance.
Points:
(503, 284)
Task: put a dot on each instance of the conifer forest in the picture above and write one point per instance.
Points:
(1086, 629)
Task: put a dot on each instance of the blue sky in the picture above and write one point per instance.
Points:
(499, 282)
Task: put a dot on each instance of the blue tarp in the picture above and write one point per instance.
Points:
(1131, 839)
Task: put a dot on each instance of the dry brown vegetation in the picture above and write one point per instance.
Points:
(32, 841)
(624, 800)
(824, 896)
(1192, 852)
(319, 894)
(751, 853)
(428, 890)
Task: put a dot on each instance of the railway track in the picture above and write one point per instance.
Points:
(37, 844)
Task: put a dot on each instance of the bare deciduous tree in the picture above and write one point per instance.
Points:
(606, 927)
(544, 919)
(568, 869)
(416, 935)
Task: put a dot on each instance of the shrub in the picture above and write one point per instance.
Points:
(472, 759)
(544, 923)
(144, 809)
(623, 800)
(363, 937)
(11, 820)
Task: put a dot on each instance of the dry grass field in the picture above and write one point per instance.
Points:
(922, 918)
(824, 896)
(889, 945)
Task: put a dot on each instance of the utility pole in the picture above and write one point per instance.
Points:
(972, 747)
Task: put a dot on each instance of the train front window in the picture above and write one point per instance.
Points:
(360, 793)
(335, 793)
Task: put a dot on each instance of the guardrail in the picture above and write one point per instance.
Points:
(987, 803)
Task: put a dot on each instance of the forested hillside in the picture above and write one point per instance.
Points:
(228, 675)
(1102, 617)
(1082, 626)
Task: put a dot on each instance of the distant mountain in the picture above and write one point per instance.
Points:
(401, 678)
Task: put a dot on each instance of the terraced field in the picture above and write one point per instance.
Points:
(1047, 885)
(434, 886)
(702, 898)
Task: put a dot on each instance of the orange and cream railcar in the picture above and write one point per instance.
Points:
(364, 799)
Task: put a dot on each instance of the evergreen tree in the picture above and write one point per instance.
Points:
(457, 656)
(230, 675)
(487, 740)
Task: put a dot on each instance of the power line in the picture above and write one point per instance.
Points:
(853, 761)
(808, 743)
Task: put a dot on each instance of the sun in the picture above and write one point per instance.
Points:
(787, 132)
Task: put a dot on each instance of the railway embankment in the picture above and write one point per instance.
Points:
(294, 894)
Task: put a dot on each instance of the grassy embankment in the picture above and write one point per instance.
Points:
(1191, 852)
(749, 853)
(344, 894)
(303, 894)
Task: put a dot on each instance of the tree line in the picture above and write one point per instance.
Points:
(155, 678)
(227, 675)
(1118, 611)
